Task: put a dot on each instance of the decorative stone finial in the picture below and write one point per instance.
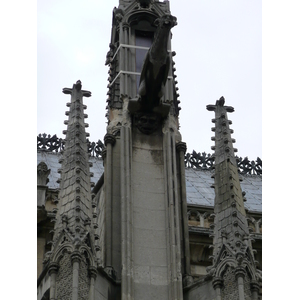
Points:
(220, 103)
(77, 87)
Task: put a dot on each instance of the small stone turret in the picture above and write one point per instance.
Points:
(233, 270)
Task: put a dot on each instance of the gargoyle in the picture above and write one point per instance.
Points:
(156, 66)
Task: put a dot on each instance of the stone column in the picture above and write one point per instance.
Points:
(177, 219)
(123, 212)
(128, 212)
(240, 274)
(126, 223)
(181, 149)
(109, 141)
(254, 289)
(170, 203)
(93, 275)
(217, 285)
(53, 269)
(172, 214)
(75, 257)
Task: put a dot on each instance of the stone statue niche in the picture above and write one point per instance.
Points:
(148, 104)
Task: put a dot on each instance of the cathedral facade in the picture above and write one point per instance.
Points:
(136, 217)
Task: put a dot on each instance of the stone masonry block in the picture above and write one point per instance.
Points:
(150, 238)
(153, 203)
(150, 256)
(141, 274)
(225, 205)
(159, 275)
(146, 292)
(227, 212)
(221, 215)
(149, 187)
(151, 219)
(146, 170)
(147, 156)
(147, 142)
(148, 167)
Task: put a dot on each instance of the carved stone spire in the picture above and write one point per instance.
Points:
(75, 192)
(73, 251)
(233, 260)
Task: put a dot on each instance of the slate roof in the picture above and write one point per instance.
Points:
(198, 182)
(51, 160)
(199, 191)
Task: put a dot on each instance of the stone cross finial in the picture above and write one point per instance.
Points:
(77, 87)
(220, 103)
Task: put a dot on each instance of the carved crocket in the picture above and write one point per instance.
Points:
(156, 65)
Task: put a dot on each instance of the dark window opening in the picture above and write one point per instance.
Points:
(142, 39)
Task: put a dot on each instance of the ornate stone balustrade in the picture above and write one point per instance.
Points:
(205, 161)
(50, 143)
(194, 160)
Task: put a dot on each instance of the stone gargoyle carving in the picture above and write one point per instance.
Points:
(155, 71)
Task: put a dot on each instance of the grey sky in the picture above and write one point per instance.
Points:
(218, 46)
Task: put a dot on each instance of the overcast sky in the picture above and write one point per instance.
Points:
(219, 53)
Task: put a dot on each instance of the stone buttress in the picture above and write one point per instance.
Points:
(145, 246)
(72, 260)
(233, 271)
